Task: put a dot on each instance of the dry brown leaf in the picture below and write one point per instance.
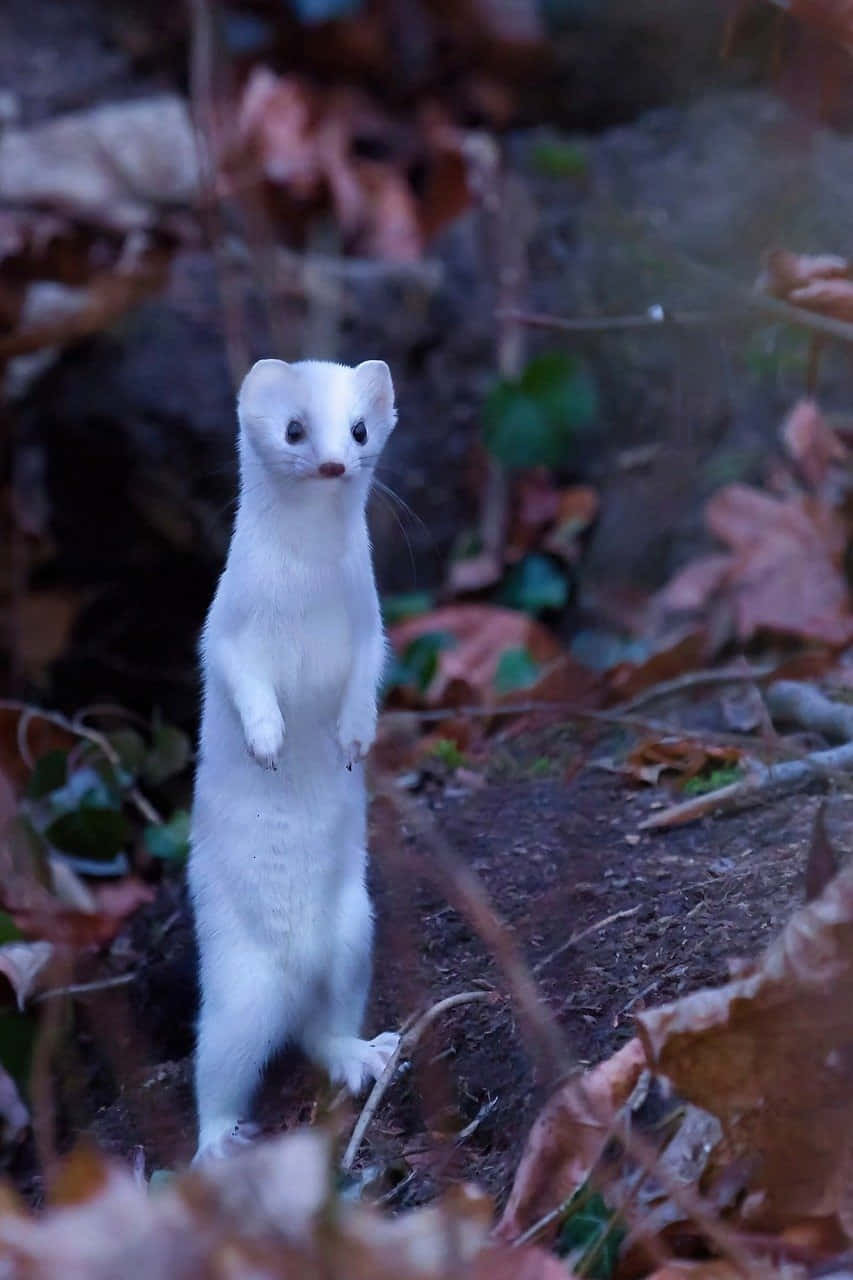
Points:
(568, 1137)
(685, 653)
(784, 575)
(683, 756)
(785, 271)
(829, 297)
(578, 508)
(835, 17)
(40, 914)
(787, 574)
(482, 633)
(258, 1214)
(769, 1055)
(811, 443)
(304, 142)
(122, 166)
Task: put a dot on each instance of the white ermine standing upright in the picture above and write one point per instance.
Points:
(292, 656)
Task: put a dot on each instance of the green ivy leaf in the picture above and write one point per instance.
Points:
(90, 832)
(534, 420)
(408, 605)
(516, 669)
(50, 773)
(591, 1236)
(171, 840)
(535, 585)
(9, 931)
(419, 662)
(169, 754)
(130, 748)
(560, 158)
(18, 1033)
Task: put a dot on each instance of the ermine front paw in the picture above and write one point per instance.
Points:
(356, 733)
(353, 1062)
(233, 1139)
(265, 739)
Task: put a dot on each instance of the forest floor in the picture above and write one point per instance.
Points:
(553, 837)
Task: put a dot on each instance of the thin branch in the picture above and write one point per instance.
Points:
(583, 933)
(656, 317)
(765, 782)
(739, 673)
(99, 740)
(464, 890)
(83, 988)
(408, 1039)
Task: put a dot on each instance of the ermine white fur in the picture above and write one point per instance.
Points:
(292, 656)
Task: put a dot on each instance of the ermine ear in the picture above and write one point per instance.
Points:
(374, 377)
(264, 375)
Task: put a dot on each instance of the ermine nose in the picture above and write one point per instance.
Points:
(331, 469)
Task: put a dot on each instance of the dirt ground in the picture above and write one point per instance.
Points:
(553, 838)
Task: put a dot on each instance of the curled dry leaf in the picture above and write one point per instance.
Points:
(258, 1214)
(24, 965)
(784, 573)
(122, 166)
(835, 17)
(568, 1137)
(478, 635)
(785, 271)
(811, 443)
(683, 756)
(303, 140)
(684, 653)
(769, 1054)
(829, 297)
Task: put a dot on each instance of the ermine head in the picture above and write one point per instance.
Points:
(317, 422)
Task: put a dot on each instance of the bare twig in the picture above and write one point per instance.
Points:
(83, 988)
(462, 887)
(803, 704)
(408, 1039)
(583, 933)
(738, 673)
(655, 318)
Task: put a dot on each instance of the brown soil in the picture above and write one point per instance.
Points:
(556, 847)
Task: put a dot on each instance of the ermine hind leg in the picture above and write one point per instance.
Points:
(242, 1023)
(331, 1036)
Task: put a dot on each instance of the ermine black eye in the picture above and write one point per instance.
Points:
(359, 432)
(295, 431)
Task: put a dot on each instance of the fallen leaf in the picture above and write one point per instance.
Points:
(785, 573)
(835, 17)
(785, 271)
(684, 653)
(480, 634)
(829, 297)
(578, 508)
(23, 964)
(121, 898)
(310, 146)
(684, 756)
(811, 444)
(769, 1054)
(123, 165)
(567, 1138)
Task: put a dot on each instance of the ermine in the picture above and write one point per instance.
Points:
(292, 655)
